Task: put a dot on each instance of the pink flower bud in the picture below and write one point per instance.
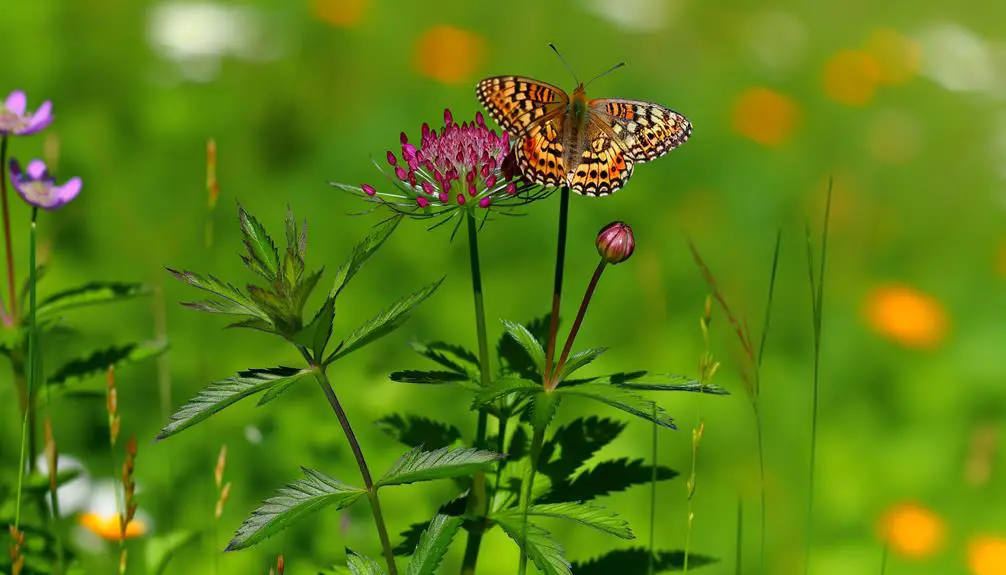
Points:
(368, 189)
(615, 242)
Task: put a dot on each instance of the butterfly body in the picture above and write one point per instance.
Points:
(570, 140)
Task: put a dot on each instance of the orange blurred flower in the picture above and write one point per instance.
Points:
(765, 116)
(107, 526)
(851, 77)
(897, 56)
(987, 555)
(907, 316)
(341, 13)
(912, 530)
(448, 54)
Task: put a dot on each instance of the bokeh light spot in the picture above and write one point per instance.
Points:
(893, 137)
(987, 555)
(906, 316)
(851, 77)
(341, 13)
(912, 530)
(107, 526)
(897, 55)
(447, 54)
(765, 116)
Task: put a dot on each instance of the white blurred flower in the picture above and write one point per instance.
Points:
(956, 58)
(635, 15)
(74, 494)
(100, 520)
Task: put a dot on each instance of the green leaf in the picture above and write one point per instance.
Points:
(637, 560)
(304, 289)
(590, 515)
(433, 545)
(543, 409)
(428, 377)
(410, 537)
(89, 294)
(620, 398)
(278, 388)
(384, 323)
(690, 386)
(234, 302)
(162, 548)
(419, 465)
(453, 357)
(604, 478)
(69, 377)
(360, 565)
(513, 358)
(317, 333)
(262, 258)
(292, 503)
(506, 387)
(575, 443)
(223, 393)
(546, 553)
(579, 360)
(361, 253)
(526, 339)
(415, 431)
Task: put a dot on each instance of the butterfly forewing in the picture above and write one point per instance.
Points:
(541, 154)
(516, 103)
(647, 131)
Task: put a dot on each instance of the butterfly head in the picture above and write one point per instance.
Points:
(579, 101)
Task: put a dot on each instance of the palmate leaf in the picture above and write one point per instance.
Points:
(411, 535)
(72, 375)
(620, 398)
(316, 335)
(637, 560)
(645, 381)
(418, 465)
(593, 516)
(223, 393)
(361, 253)
(384, 323)
(296, 240)
(292, 503)
(455, 358)
(513, 358)
(234, 302)
(416, 431)
(93, 293)
(360, 565)
(527, 341)
(579, 360)
(262, 258)
(604, 478)
(433, 545)
(161, 549)
(428, 377)
(688, 386)
(506, 387)
(576, 442)
(548, 556)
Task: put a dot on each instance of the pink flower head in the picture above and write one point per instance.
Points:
(446, 170)
(14, 119)
(615, 242)
(39, 189)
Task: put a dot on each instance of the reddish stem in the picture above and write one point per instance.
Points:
(554, 379)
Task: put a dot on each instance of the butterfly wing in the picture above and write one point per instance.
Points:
(516, 103)
(643, 130)
(604, 165)
(540, 153)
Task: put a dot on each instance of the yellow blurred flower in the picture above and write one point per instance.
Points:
(448, 54)
(851, 77)
(765, 116)
(897, 56)
(107, 526)
(987, 555)
(341, 13)
(907, 316)
(912, 530)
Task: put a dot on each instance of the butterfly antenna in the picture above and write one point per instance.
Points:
(568, 67)
(605, 73)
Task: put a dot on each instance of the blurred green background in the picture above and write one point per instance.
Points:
(901, 102)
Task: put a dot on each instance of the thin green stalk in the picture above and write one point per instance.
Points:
(739, 552)
(653, 495)
(9, 317)
(477, 499)
(32, 340)
(354, 444)
(536, 442)
(560, 264)
(817, 297)
(883, 559)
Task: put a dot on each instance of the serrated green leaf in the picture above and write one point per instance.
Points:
(223, 393)
(513, 358)
(527, 341)
(360, 565)
(506, 387)
(547, 555)
(280, 387)
(637, 560)
(593, 516)
(621, 398)
(292, 503)
(410, 536)
(418, 465)
(317, 334)
(416, 431)
(579, 360)
(543, 409)
(161, 549)
(604, 478)
(304, 289)
(454, 357)
(433, 545)
(234, 302)
(93, 293)
(690, 386)
(361, 253)
(427, 377)
(70, 377)
(384, 323)
(262, 258)
(576, 442)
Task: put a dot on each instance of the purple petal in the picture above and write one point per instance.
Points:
(68, 191)
(36, 169)
(16, 102)
(15, 169)
(39, 120)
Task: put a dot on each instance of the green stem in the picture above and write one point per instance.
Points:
(354, 444)
(477, 500)
(761, 481)
(653, 495)
(587, 295)
(883, 559)
(10, 318)
(31, 341)
(560, 264)
(54, 497)
(739, 552)
(536, 442)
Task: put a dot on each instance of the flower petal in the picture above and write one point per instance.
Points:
(16, 102)
(36, 169)
(39, 120)
(68, 191)
(15, 169)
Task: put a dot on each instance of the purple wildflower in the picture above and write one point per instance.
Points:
(460, 166)
(15, 120)
(39, 189)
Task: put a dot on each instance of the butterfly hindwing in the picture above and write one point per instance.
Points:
(516, 102)
(603, 169)
(646, 130)
(540, 154)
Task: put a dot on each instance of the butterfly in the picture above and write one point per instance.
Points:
(589, 145)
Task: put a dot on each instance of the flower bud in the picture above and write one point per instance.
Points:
(615, 242)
